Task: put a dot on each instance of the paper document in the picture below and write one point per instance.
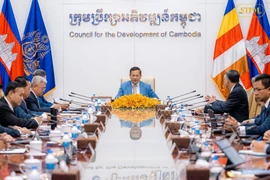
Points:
(13, 151)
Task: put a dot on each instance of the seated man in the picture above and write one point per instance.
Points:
(237, 102)
(261, 123)
(15, 131)
(38, 86)
(13, 97)
(135, 86)
(22, 111)
(42, 101)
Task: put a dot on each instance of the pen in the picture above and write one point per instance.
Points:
(260, 138)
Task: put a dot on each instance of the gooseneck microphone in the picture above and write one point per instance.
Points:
(85, 99)
(183, 94)
(186, 98)
(76, 94)
(196, 103)
(73, 102)
(190, 99)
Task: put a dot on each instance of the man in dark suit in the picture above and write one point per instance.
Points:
(41, 99)
(237, 102)
(15, 132)
(261, 88)
(14, 95)
(135, 86)
(22, 111)
(38, 86)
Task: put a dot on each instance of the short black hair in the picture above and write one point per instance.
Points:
(22, 80)
(12, 85)
(1, 86)
(39, 72)
(135, 68)
(233, 76)
(265, 78)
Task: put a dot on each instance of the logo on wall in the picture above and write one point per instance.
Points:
(35, 48)
(246, 10)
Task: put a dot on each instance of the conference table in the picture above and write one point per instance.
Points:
(117, 156)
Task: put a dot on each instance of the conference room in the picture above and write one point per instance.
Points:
(119, 89)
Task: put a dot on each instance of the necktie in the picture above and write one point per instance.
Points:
(134, 89)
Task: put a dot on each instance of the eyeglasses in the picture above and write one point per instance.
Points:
(258, 90)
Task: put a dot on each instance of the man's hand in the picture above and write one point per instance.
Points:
(257, 146)
(6, 137)
(39, 119)
(56, 106)
(266, 136)
(64, 106)
(210, 99)
(267, 166)
(230, 123)
(249, 121)
(25, 131)
(198, 110)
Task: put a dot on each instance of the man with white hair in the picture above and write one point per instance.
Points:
(38, 86)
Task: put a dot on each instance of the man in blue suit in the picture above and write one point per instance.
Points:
(135, 86)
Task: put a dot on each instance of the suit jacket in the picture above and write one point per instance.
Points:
(43, 102)
(262, 122)
(10, 131)
(23, 112)
(7, 117)
(33, 104)
(236, 104)
(145, 89)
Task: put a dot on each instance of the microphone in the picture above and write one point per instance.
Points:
(79, 97)
(196, 107)
(185, 98)
(73, 102)
(190, 99)
(183, 94)
(76, 94)
(196, 103)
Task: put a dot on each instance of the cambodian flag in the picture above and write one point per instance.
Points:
(11, 61)
(257, 43)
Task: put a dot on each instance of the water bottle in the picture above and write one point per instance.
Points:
(50, 161)
(66, 140)
(78, 123)
(98, 109)
(34, 174)
(85, 118)
(214, 161)
(74, 132)
(192, 132)
(215, 168)
(206, 147)
(167, 100)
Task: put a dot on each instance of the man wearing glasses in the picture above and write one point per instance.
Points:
(261, 88)
(38, 86)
